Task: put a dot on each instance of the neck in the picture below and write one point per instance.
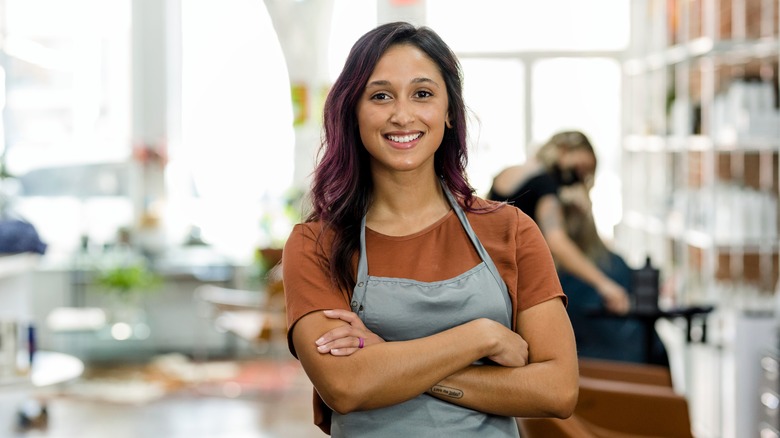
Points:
(402, 206)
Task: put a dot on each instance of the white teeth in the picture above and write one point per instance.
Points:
(404, 138)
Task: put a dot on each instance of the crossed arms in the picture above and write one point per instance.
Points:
(535, 373)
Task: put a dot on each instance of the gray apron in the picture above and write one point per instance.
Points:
(399, 309)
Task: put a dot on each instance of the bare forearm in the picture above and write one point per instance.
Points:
(536, 390)
(573, 260)
(392, 372)
(547, 386)
(564, 250)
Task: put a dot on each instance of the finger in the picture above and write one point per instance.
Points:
(344, 315)
(337, 333)
(343, 351)
(334, 345)
(343, 342)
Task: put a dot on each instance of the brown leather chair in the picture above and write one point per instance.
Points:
(625, 372)
(619, 400)
(631, 399)
(634, 409)
(571, 427)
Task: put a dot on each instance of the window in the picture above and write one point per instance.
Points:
(67, 112)
(554, 67)
(529, 25)
(494, 93)
(237, 140)
(350, 20)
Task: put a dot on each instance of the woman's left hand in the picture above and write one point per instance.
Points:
(347, 339)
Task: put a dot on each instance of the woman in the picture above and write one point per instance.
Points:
(602, 338)
(413, 306)
(566, 161)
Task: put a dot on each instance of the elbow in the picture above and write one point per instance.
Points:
(340, 405)
(343, 399)
(564, 405)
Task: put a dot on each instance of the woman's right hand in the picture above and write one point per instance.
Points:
(615, 297)
(510, 349)
(347, 339)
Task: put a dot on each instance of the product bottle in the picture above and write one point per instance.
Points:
(646, 288)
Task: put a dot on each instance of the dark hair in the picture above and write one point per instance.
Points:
(342, 185)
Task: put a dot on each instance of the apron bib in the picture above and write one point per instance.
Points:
(399, 309)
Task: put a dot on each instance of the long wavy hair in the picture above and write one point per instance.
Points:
(581, 228)
(342, 185)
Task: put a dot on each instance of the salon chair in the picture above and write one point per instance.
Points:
(571, 427)
(619, 400)
(625, 372)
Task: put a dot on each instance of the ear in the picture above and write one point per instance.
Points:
(447, 121)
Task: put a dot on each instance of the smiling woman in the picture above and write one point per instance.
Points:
(440, 304)
(403, 110)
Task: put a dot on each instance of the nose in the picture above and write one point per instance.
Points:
(403, 112)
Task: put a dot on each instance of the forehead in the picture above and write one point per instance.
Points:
(585, 158)
(406, 60)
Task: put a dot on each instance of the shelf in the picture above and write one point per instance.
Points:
(16, 264)
(697, 238)
(705, 205)
(727, 52)
(688, 143)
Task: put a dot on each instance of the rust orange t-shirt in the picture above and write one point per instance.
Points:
(439, 252)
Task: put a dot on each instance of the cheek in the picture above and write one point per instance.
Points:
(435, 117)
(366, 121)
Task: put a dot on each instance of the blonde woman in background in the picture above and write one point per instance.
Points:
(621, 339)
(567, 159)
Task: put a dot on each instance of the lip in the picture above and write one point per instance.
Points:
(405, 144)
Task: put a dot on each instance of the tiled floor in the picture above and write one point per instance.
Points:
(193, 411)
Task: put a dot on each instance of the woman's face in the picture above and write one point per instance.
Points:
(403, 110)
(579, 162)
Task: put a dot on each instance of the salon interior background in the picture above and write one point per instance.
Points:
(174, 116)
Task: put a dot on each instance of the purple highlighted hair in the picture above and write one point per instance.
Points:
(342, 185)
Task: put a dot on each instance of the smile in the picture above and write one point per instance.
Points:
(404, 138)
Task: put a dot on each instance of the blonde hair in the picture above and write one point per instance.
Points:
(581, 228)
(549, 152)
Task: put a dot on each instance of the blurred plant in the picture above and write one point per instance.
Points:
(127, 280)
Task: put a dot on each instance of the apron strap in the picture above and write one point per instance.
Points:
(362, 271)
(477, 244)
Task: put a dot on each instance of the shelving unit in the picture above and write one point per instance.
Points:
(701, 146)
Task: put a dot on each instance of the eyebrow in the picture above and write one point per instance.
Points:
(385, 83)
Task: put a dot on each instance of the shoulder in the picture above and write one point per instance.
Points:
(307, 229)
(493, 212)
(542, 178)
(499, 220)
(306, 237)
(509, 178)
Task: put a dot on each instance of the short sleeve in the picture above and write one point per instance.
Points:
(537, 278)
(306, 277)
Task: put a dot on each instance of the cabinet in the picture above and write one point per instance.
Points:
(701, 138)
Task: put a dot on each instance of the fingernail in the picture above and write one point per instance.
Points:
(322, 348)
(327, 312)
(320, 341)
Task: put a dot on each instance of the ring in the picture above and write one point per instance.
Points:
(360, 342)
